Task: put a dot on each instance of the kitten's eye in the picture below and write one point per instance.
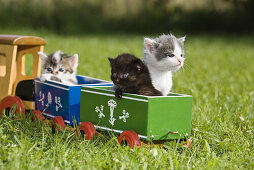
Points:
(181, 55)
(114, 75)
(49, 69)
(61, 69)
(170, 55)
(125, 75)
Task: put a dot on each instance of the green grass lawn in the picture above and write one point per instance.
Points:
(218, 73)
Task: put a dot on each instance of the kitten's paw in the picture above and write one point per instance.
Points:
(118, 93)
(118, 96)
(55, 79)
(45, 77)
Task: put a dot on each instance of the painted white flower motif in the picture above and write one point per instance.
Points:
(100, 111)
(125, 115)
(49, 99)
(112, 105)
(58, 103)
(42, 97)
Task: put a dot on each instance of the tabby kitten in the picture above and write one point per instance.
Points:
(163, 55)
(131, 75)
(60, 67)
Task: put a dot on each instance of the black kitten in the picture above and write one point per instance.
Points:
(131, 75)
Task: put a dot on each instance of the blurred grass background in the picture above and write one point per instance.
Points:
(136, 16)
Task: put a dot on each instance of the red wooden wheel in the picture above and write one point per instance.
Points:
(57, 124)
(88, 129)
(37, 115)
(131, 137)
(9, 101)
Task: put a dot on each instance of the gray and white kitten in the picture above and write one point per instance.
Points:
(163, 55)
(60, 67)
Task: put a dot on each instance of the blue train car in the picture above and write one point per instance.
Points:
(56, 99)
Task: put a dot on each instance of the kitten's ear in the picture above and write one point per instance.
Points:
(150, 45)
(43, 56)
(181, 40)
(74, 60)
(111, 60)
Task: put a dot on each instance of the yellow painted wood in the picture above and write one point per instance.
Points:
(21, 40)
(29, 105)
(8, 56)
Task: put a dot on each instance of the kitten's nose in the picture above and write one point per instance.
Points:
(180, 61)
(55, 72)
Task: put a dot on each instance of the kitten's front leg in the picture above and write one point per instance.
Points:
(118, 93)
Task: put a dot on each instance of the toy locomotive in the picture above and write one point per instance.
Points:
(91, 104)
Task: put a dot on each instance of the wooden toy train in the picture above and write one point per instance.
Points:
(91, 104)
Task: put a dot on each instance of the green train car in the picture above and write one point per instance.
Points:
(135, 116)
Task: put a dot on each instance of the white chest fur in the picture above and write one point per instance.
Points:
(162, 80)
